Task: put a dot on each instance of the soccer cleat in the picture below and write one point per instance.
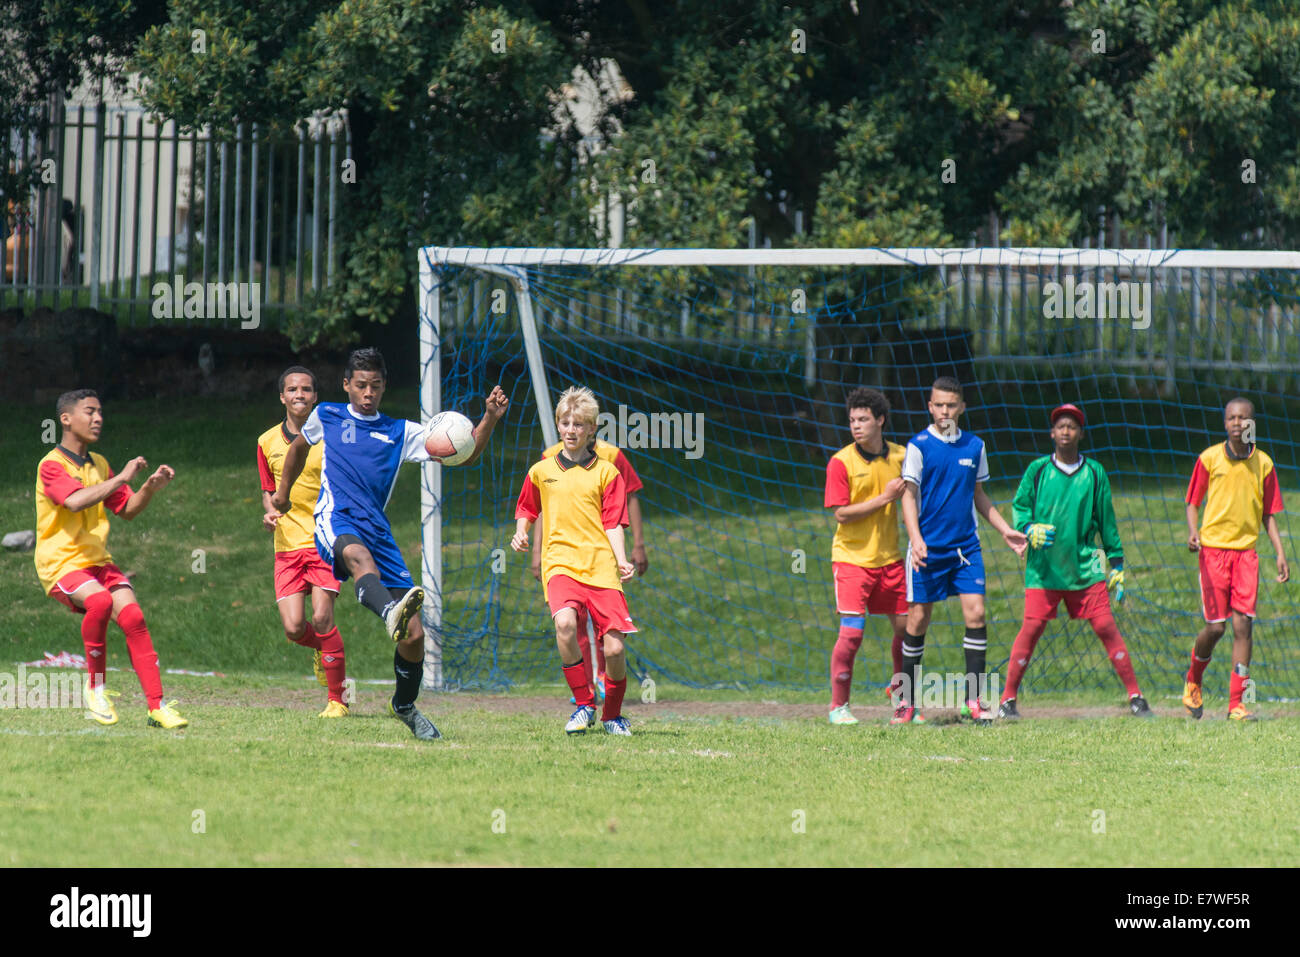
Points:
(99, 707)
(842, 715)
(335, 709)
(1240, 713)
(581, 720)
(318, 666)
(420, 726)
(1138, 705)
(1007, 711)
(906, 714)
(1192, 700)
(617, 726)
(892, 688)
(166, 716)
(976, 711)
(401, 611)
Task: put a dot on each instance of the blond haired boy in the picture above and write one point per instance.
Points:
(582, 500)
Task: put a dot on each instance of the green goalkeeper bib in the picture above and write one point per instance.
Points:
(1080, 507)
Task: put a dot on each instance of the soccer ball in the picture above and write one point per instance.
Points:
(449, 438)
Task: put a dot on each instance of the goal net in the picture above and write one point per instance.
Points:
(723, 373)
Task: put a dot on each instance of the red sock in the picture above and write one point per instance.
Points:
(331, 657)
(1022, 649)
(1236, 685)
(1117, 651)
(897, 651)
(584, 648)
(143, 657)
(842, 655)
(1197, 671)
(576, 676)
(614, 691)
(94, 628)
(309, 637)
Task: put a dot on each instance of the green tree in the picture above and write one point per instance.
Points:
(446, 104)
(47, 48)
(883, 122)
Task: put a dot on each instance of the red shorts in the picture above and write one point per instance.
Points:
(1229, 582)
(298, 571)
(108, 575)
(606, 606)
(875, 591)
(1089, 603)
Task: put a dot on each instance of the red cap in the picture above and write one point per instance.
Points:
(1071, 410)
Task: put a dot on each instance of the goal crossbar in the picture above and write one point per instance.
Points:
(902, 256)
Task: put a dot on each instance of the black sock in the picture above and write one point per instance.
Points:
(409, 675)
(372, 593)
(976, 645)
(913, 649)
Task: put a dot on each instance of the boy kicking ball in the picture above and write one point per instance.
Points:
(583, 503)
(1238, 484)
(363, 451)
(1063, 505)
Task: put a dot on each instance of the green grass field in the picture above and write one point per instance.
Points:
(731, 777)
(707, 779)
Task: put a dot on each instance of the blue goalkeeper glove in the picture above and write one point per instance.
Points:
(1116, 583)
(1040, 536)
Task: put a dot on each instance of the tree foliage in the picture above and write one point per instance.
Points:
(881, 122)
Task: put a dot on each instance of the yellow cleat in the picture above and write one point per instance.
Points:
(99, 707)
(1192, 700)
(1240, 713)
(318, 666)
(165, 716)
(335, 709)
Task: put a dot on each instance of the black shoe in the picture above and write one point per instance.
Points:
(1138, 705)
(1007, 710)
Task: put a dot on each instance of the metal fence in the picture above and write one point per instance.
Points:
(126, 203)
(1196, 321)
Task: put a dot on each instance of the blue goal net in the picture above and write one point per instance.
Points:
(725, 386)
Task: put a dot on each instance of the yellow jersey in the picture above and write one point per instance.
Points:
(854, 476)
(67, 541)
(577, 503)
(297, 528)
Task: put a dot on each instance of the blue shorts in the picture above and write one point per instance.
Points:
(378, 539)
(946, 573)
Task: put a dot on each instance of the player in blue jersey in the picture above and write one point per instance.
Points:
(363, 450)
(944, 471)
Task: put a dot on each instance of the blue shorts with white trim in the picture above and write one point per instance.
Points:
(947, 573)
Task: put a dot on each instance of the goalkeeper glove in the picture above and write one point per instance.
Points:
(1040, 536)
(1116, 582)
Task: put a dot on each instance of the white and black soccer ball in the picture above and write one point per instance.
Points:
(449, 438)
